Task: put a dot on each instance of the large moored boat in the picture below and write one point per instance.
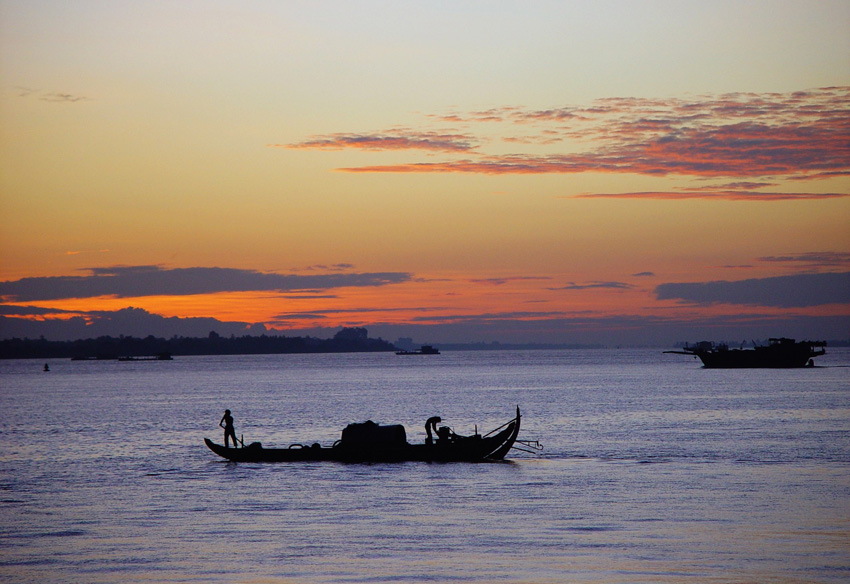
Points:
(778, 353)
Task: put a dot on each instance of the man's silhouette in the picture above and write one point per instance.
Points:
(431, 426)
(227, 423)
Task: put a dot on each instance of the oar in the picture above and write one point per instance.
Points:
(532, 444)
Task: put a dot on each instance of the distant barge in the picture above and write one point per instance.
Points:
(780, 353)
(424, 350)
(157, 357)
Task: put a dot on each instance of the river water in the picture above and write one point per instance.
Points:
(653, 470)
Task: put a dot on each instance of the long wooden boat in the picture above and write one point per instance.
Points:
(370, 442)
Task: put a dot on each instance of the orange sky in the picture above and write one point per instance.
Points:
(429, 171)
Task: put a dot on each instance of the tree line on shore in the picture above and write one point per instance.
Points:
(348, 340)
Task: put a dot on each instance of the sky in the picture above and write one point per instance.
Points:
(615, 172)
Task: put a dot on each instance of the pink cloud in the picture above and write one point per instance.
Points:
(399, 140)
(729, 195)
(738, 150)
(800, 135)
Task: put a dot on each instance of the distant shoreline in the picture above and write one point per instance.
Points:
(348, 340)
(112, 348)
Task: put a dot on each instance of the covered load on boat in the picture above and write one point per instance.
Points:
(369, 434)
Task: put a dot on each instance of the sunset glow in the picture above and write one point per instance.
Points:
(621, 173)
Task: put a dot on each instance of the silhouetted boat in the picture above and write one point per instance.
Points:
(424, 350)
(159, 357)
(370, 442)
(778, 353)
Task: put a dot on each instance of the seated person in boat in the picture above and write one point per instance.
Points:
(445, 434)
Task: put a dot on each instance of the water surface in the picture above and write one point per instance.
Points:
(654, 470)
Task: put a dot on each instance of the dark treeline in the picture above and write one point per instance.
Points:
(348, 340)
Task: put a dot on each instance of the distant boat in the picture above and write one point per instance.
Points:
(779, 353)
(158, 357)
(371, 442)
(424, 350)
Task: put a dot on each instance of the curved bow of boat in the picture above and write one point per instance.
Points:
(511, 432)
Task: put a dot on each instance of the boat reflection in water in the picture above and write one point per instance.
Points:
(371, 442)
(778, 353)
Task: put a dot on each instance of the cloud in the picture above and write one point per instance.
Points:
(50, 96)
(327, 268)
(814, 259)
(782, 291)
(492, 115)
(282, 318)
(727, 195)
(63, 97)
(361, 310)
(609, 285)
(9, 310)
(502, 281)
(644, 275)
(398, 140)
(799, 135)
(86, 251)
(136, 281)
(738, 186)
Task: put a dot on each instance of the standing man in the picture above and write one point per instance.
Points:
(227, 423)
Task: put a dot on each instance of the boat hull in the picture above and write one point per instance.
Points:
(463, 449)
(743, 359)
